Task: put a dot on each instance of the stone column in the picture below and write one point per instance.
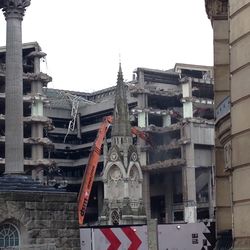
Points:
(14, 12)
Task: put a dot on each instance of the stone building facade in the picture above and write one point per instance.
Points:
(231, 26)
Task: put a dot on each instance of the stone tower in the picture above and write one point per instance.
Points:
(122, 173)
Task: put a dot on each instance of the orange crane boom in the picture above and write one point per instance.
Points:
(90, 170)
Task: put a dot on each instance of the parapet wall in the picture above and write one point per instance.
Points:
(44, 220)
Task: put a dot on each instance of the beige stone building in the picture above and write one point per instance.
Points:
(231, 26)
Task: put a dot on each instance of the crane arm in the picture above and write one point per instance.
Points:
(90, 171)
(141, 134)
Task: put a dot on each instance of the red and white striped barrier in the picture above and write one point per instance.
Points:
(107, 238)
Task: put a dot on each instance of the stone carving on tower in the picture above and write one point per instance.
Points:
(122, 174)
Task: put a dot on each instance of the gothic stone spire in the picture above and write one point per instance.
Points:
(121, 125)
(122, 173)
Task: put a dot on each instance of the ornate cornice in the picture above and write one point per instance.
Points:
(217, 9)
(14, 8)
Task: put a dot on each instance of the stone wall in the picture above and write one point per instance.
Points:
(239, 13)
(45, 220)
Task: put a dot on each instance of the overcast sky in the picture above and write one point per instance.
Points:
(83, 39)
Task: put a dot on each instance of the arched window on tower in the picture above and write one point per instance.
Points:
(115, 218)
(9, 237)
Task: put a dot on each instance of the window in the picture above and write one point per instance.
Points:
(178, 216)
(9, 237)
(115, 218)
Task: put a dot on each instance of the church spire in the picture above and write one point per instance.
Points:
(121, 125)
(122, 173)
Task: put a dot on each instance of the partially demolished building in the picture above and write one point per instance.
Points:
(174, 107)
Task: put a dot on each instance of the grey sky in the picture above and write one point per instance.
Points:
(83, 39)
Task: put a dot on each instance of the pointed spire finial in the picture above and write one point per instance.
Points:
(120, 58)
(120, 74)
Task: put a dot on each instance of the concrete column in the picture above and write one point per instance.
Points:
(146, 182)
(152, 234)
(239, 16)
(146, 194)
(143, 119)
(14, 12)
(143, 122)
(37, 150)
(187, 92)
(188, 179)
(142, 102)
(37, 110)
(187, 110)
(78, 125)
(168, 197)
(166, 120)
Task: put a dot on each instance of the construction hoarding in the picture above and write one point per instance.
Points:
(195, 236)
